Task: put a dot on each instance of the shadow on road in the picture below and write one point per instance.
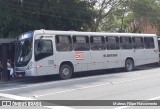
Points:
(42, 79)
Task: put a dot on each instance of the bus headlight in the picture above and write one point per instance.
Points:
(29, 66)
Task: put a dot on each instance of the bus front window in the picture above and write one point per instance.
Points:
(24, 52)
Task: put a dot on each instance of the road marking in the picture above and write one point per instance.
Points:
(70, 80)
(123, 107)
(141, 78)
(98, 85)
(81, 88)
(15, 97)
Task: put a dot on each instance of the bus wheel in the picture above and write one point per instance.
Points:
(129, 65)
(65, 72)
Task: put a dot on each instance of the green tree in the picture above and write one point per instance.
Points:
(147, 10)
(18, 16)
(103, 9)
(110, 15)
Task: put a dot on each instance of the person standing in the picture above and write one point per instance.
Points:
(9, 67)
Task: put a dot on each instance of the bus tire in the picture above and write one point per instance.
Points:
(129, 65)
(65, 72)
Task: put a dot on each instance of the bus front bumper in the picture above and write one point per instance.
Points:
(23, 71)
(19, 74)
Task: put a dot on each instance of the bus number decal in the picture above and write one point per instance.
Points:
(110, 55)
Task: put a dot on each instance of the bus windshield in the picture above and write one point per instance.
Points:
(24, 49)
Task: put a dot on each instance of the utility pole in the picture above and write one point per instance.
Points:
(122, 18)
(5, 73)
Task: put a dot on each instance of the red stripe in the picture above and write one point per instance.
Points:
(79, 56)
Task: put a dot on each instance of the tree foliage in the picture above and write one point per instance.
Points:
(18, 16)
(121, 13)
(147, 10)
(103, 9)
(111, 15)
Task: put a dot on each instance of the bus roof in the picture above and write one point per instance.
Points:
(42, 31)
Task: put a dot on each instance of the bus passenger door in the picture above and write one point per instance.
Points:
(82, 61)
(113, 58)
(82, 53)
(151, 49)
(44, 56)
(97, 52)
(97, 60)
(139, 54)
(112, 55)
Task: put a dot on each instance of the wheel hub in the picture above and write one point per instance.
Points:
(129, 65)
(65, 71)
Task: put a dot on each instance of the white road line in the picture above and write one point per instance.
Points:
(55, 82)
(123, 107)
(154, 98)
(81, 88)
(48, 83)
(141, 78)
(15, 97)
(98, 85)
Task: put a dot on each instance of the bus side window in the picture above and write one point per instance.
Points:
(112, 43)
(97, 43)
(126, 42)
(81, 43)
(63, 43)
(138, 42)
(149, 43)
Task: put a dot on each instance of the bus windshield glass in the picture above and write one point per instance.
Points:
(24, 49)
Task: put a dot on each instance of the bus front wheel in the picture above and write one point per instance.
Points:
(129, 65)
(65, 72)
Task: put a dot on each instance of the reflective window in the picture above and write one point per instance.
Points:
(63, 43)
(81, 43)
(43, 48)
(126, 42)
(97, 43)
(112, 43)
(149, 42)
(138, 42)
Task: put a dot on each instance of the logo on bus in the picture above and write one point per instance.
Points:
(79, 56)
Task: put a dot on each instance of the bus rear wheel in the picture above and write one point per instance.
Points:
(129, 65)
(65, 72)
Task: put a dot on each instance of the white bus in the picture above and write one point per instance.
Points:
(46, 52)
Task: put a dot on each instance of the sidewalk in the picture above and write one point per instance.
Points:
(12, 80)
(6, 82)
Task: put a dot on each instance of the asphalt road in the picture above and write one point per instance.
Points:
(141, 84)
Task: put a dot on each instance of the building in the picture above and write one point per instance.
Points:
(142, 26)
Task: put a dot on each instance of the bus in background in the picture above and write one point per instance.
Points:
(47, 52)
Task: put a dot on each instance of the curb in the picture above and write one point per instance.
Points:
(12, 80)
(6, 82)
